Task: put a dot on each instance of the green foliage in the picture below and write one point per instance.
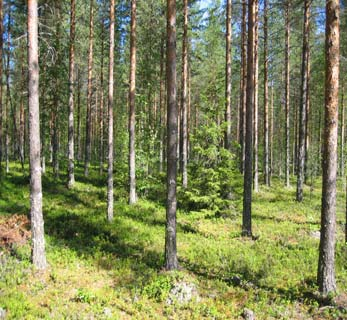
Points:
(159, 288)
(211, 172)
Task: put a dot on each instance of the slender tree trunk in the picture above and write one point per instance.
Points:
(79, 133)
(132, 89)
(271, 134)
(266, 100)
(326, 264)
(88, 148)
(110, 118)
(161, 105)
(71, 174)
(22, 115)
(37, 228)
(171, 261)
(303, 104)
(184, 95)
(247, 191)
(243, 84)
(287, 92)
(228, 37)
(256, 78)
(101, 110)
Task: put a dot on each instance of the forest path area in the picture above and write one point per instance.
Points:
(101, 270)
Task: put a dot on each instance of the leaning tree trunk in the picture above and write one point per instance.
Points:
(171, 261)
(287, 93)
(37, 229)
(132, 88)
(184, 95)
(227, 134)
(266, 101)
(303, 104)
(247, 191)
(110, 118)
(326, 264)
(88, 149)
(71, 174)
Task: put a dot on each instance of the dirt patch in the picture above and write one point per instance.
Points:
(14, 230)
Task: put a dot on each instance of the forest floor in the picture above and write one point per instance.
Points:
(100, 270)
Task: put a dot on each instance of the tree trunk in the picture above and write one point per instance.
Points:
(171, 261)
(79, 135)
(1, 110)
(243, 84)
(228, 37)
(256, 77)
(247, 191)
(326, 264)
(266, 100)
(88, 148)
(161, 105)
(287, 93)
(37, 229)
(101, 110)
(342, 156)
(110, 118)
(132, 89)
(303, 104)
(184, 96)
(71, 174)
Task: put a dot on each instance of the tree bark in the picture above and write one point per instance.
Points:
(266, 100)
(228, 38)
(287, 92)
(184, 96)
(243, 84)
(326, 264)
(132, 89)
(71, 174)
(171, 261)
(247, 191)
(110, 117)
(1, 110)
(303, 104)
(101, 110)
(37, 228)
(88, 148)
(342, 151)
(256, 78)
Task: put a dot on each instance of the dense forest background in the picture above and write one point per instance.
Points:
(226, 268)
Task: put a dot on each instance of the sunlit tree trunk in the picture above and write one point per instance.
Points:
(287, 93)
(303, 104)
(1, 110)
(326, 264)
(71, 174)
(37, 228)
(247, 191)
(171, 261)
(101, 109)
(132, 88)
(88, 147)
(110, 118)
(228, 37)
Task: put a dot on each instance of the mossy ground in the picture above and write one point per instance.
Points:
(95, 265)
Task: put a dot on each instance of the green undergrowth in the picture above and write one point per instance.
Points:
(114, 270)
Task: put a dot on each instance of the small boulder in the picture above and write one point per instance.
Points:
(248, 314)
(182, 293)
(315, 234)
(2, 314)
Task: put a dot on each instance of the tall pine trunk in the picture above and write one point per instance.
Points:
(132, 89)
(228, 37)
(37, 228)
(71, 174)
(88, 148)
(1, 110)
(266, 101)
(247, 191)
(287, 93)
(184, 95)
(303, 104)
(171, 261)
(110, 118)
(326, 264)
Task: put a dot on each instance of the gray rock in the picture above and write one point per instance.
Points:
(182, 293)
(107, 312)
(2, 314)
(248, 314)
